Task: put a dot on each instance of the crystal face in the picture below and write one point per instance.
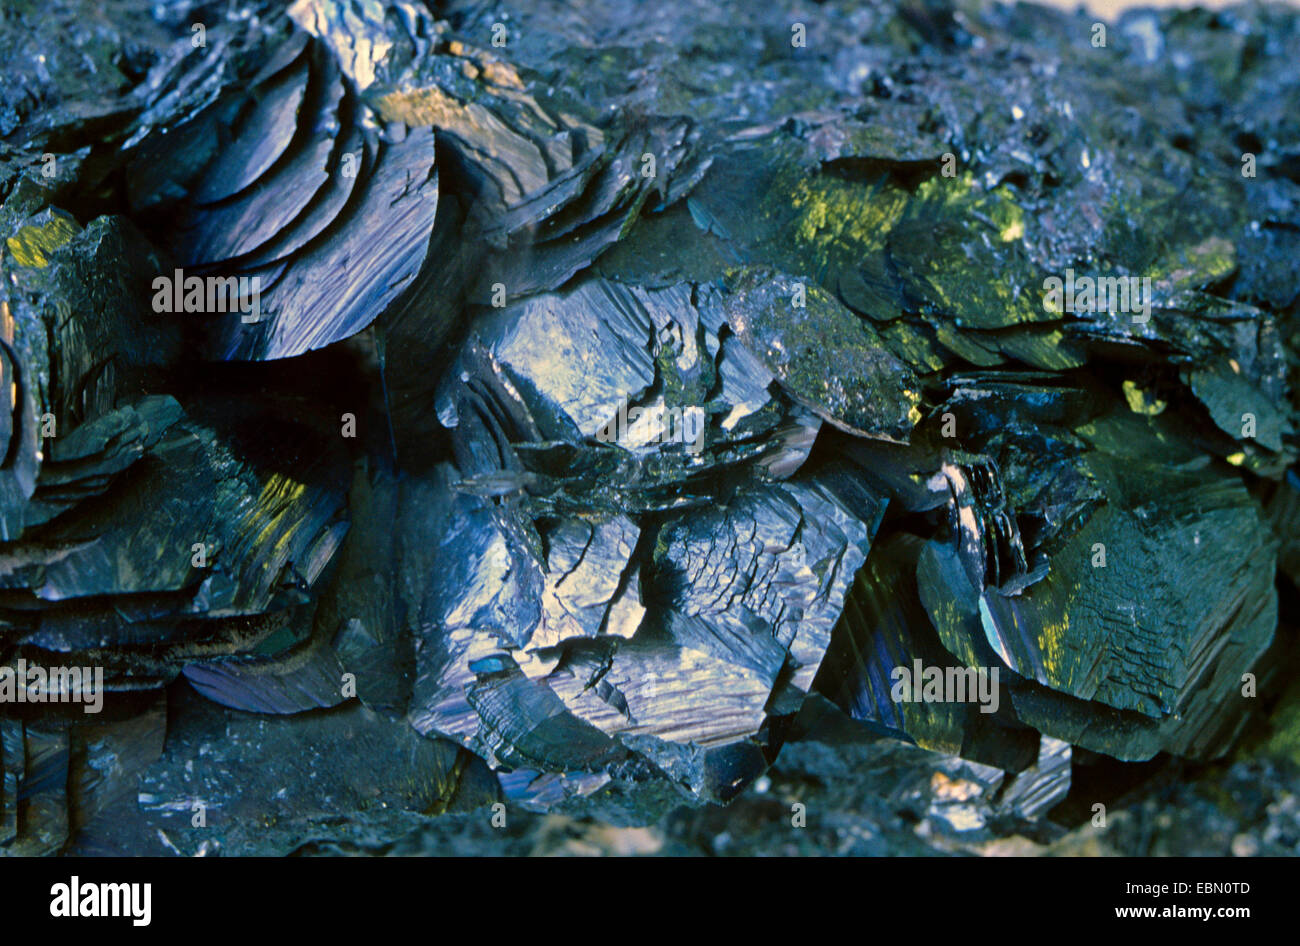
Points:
(604, 412)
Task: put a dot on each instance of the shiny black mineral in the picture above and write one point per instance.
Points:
(421, 415)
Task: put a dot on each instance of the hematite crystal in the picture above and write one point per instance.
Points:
(633, 392)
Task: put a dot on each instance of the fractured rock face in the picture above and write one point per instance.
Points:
(573, 408)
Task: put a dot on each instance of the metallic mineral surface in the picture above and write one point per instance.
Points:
(585, 427)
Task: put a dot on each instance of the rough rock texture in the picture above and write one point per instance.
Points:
(534, 427)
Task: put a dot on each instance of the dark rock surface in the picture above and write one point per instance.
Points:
(561, 427)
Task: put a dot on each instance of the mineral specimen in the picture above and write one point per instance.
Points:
(415, 408)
